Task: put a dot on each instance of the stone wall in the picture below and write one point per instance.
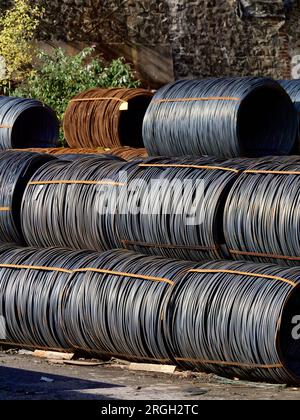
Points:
(168, 39)
(216, 42)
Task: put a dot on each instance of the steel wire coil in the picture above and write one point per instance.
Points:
(105, 216)
(292, 88)
(179, 206)
(235, 325)
(225, 117)
(72, 157)
(67, 204)
(233, 319)
(31, 299)
(26, 123)
(94, 118)
(261, 217)
(16, 168)
(118, 314)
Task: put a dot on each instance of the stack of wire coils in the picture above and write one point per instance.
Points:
(26, 123)
(116, 306)
(73, 204)
(227, 117)
(16, 169)
(173, 208)
(180, 207)
(261, 218)
(229, 318)
(106, 118)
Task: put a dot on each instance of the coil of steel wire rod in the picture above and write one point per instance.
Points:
(26, 123)
(225, 117)
(292, 87)
(261, 217)
(166, 207)
(174, 208)
(16, 168)
(72, 204)
(73, 157)
(118, 310)
(229, 318)
(32, 284)
(236, 320)
(106, 118)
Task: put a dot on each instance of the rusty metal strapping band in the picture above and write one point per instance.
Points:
(150, 359)
(262, 255)
(86, 270)
(242, 273)
(231, 364)
(123, 106)
(212, 98)
(120, 274)
(98, 99)
(37, 268)
(77, 182)
(211, 168)
(5, 209)
(5, 126)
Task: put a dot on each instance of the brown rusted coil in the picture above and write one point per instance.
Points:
(106, 118)
(126, 153)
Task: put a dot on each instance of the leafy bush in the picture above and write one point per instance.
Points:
(17, 30)
(59, 77)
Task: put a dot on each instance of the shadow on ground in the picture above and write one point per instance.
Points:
(18, 384)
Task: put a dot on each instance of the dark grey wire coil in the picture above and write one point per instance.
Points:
(71, 157)
(31, 300)
(118, 314)
(16, 168)
(224, 117)
(261, 217)
(26, 123)
(50, 217)
(292, 88)
(72, 215)
(176, 219)
(235, 325)
(233, 319)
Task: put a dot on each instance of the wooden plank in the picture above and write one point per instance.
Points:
(51, 355)
(144, 367)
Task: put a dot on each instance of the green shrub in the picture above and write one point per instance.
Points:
(17, 31)
(59, 77)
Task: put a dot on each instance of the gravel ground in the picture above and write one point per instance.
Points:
(24, 377)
